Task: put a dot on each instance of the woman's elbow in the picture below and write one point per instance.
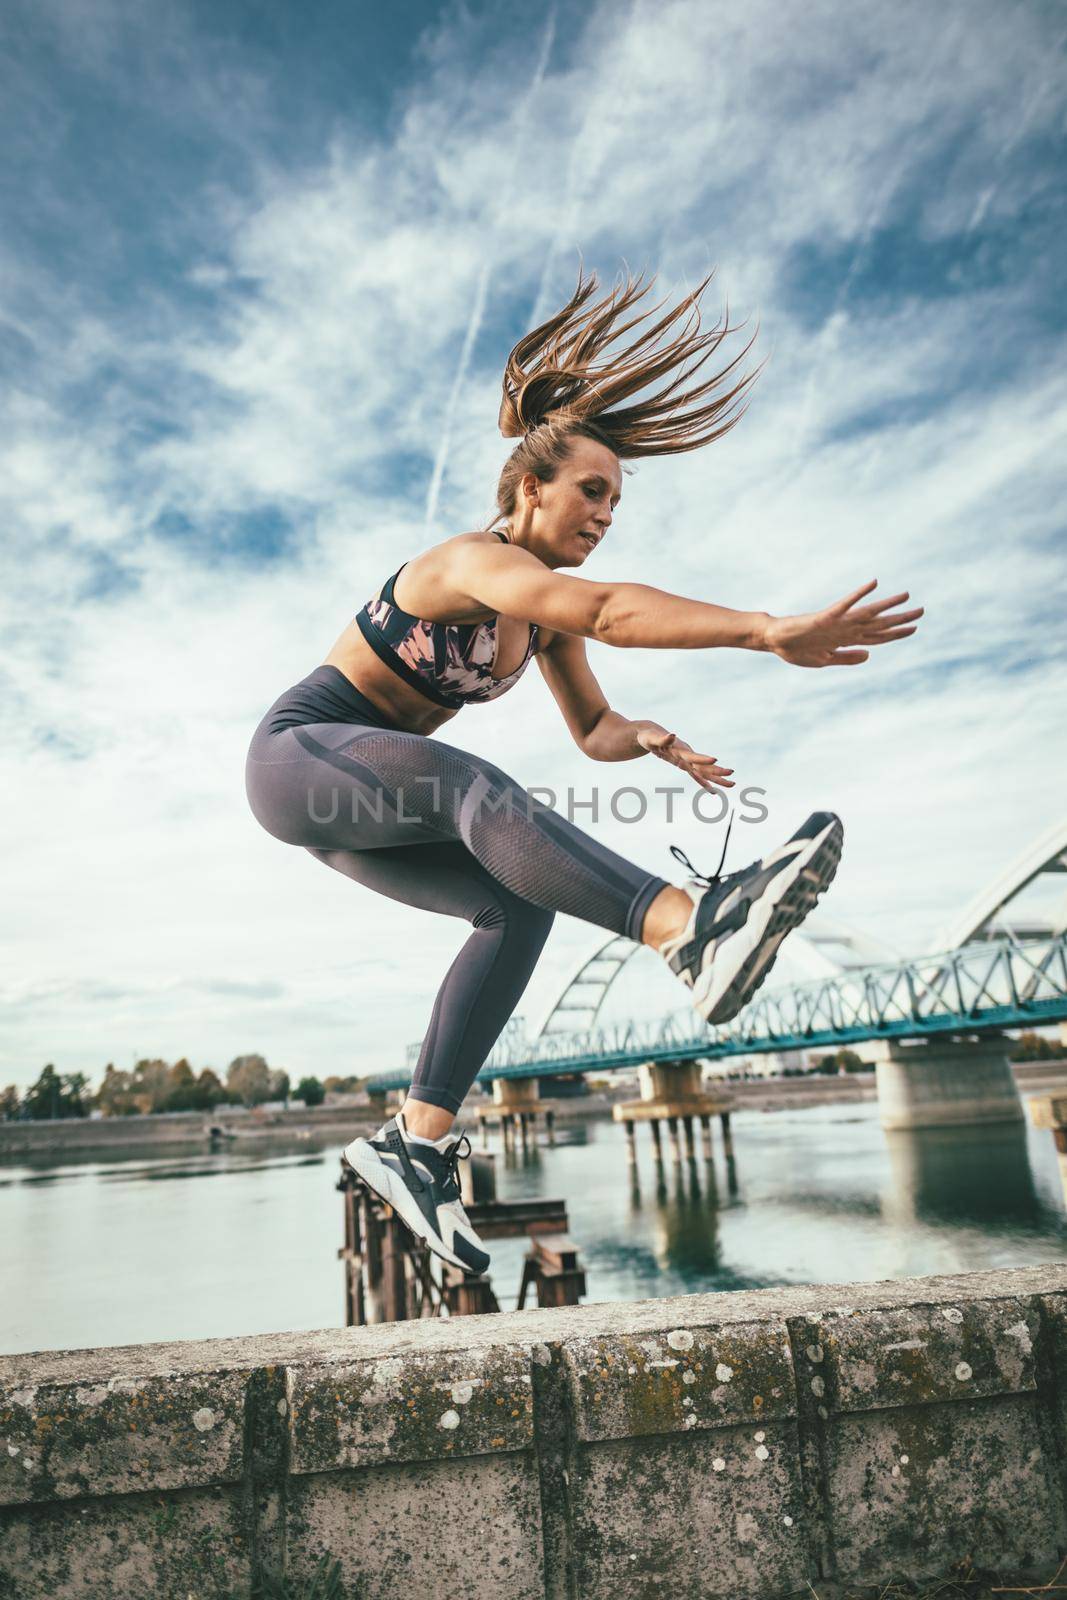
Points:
(611, 622)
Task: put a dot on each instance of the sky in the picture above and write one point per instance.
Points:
(260, 268)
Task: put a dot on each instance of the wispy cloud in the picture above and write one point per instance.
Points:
(522, 121)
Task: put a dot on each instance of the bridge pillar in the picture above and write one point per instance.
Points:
(517, 1092)
(1050, 1111)
(670, 1080)
(944, 1083)
(631, 1144)
(727, 1136)
(517, 1105)
(672, 1136)
(671, 1093)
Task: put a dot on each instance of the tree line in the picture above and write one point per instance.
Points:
(155, 1086)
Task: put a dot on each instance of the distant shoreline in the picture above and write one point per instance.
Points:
(186, 1131)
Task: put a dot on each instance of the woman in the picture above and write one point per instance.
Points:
(343, 764)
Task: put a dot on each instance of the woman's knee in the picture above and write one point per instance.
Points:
(505, 910)
(536, 924)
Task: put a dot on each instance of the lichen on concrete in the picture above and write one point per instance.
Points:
(410, 1408)
(626, 1387)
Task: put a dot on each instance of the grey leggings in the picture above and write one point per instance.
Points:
(436, 827)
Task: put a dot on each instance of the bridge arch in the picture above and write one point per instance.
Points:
(987, 915)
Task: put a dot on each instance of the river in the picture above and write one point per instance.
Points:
(245, 1241)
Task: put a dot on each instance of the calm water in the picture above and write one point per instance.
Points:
(120, 1252)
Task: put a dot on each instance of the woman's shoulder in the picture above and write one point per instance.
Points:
(456, 541)
(432, 586)
(435, 561)
(477, 536)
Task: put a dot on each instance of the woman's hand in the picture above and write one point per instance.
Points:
(835, 637)
(668, 746)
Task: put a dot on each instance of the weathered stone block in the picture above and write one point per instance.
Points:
(187, 1542)
(59, 1440)
(411, 1407)
(389, 1529)
(710, 1515)
(916, 1355)
(680, 1379)
(917, 1489)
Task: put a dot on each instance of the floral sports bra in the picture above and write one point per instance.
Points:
(449, 662)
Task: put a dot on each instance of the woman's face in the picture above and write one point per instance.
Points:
(568, 517)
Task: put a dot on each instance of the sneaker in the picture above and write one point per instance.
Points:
(738, 921)
(421, 1183)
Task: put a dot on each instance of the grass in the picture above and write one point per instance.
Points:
(965, 1582)
(323, 1584)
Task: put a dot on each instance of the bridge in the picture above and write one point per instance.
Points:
(997, 966)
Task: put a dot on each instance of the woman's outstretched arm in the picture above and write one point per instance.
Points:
(607, 735)
(637, 616)
(627, 615)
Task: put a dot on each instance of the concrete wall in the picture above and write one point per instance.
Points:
(69, 1135)
(721, 1445)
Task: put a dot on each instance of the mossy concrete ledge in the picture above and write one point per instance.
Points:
(716, 1445)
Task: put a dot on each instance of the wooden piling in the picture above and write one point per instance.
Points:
(672, 1135)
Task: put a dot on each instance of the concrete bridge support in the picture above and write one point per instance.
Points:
(517, 1105)
(944, 1083)
(672, 1092)
(1050, 1111)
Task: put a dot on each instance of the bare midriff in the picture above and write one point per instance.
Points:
(421, 584)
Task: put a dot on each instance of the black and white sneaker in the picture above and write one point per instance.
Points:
(730, 942)
(421, 1183)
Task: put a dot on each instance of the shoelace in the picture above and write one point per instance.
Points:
(453, 1159)
(700, 877)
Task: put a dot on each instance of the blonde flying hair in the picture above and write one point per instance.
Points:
(554, 388)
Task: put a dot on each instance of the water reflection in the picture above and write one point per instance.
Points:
(975, 1174)
(687, 1223)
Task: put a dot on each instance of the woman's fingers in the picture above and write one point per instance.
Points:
(846, 658)
(850, 599)
(702, 761)
(874, 614)
(717, 777)
(869, 637)
(703, 769)
(696, 762)
(879, 606)
(684, 754)
(894, 633)
(894, 621)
